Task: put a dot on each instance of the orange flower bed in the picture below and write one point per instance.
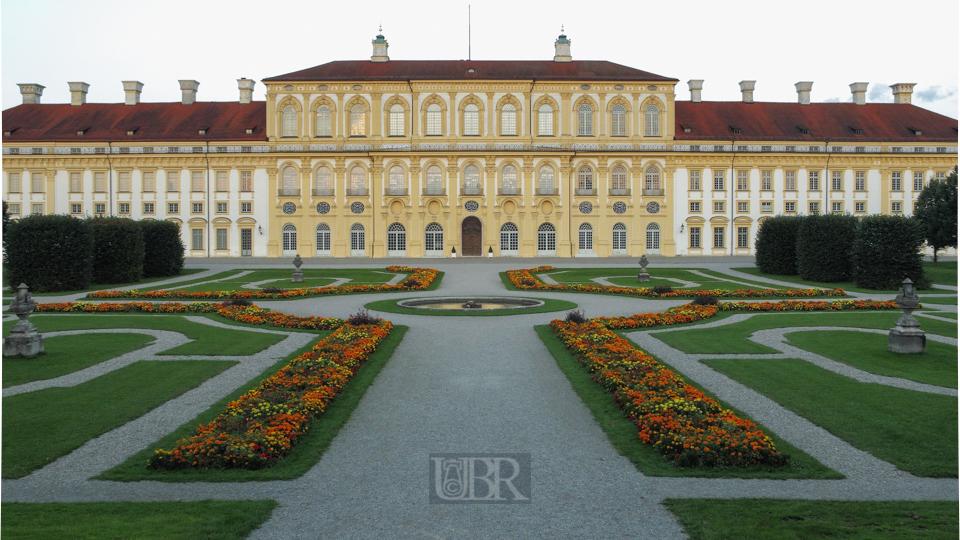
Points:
(264, 424)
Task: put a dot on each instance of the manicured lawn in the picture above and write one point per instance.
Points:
(774, 519)
(846, 285)
(732, 339)
(390, 306)
(109, 286)
(946, 300)
(238, 285)
(280, 277)
(195, 520)
(208, 340)
(915, 431)
(66, 354)
(628, 278)
(187, 283)
(623, 433)
(305, 454)
(938, 365)
(944, 314)
(39, 427)
(942, 273)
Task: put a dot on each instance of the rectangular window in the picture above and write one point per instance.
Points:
(149, 182)
(76, 208)
(814, 208)
(718, 237)
(148, 208)
(14, 208)
(718, 180)
(36, 182)
(100, 182)
(918, 181)
(766, 206)
(100, 208)
(743, 206)
(695, 206)
(196, 180)
(123, 208)
(766, 180)
(814, 179)
(221, 208)
(694, 180)
(173, 208)
(860, 207)
(221, 239)
(246, 207)
(173, 180)
(695, 237)
(197, 243)
(38, 208)
(940, 176)
(860, 181)
(837, 182)
(742, 183)
(896, 207)
(790, 207)
(123, 181)
(198, 208)
(13, 183)
(223, 183)
(790, 181)
(246, 180)
(76, 183)
(718, 207)
(837, 207)
(895, 181)
(743, 237)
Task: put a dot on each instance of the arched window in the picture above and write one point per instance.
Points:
(651, 116)
(289, 239)
(358, 121)
(508, 120)
(584, 120)
(323, 183)
(357, 240)
(289, 185)
(289, 123)
(619, 239)
(545, 185)
(585, 181)
(471, 120)
(618, 180)
(545, 120)
(586, 238)
(471, 180)
(358, 181)
(323, 239)
(434, 120)
(653, 238)
(434, 240)
(546, 239)
(434, 180)
(324, 123)
(396, 120)
(396, 240)
(618, 121)
(509, 240)
(651, 183)
(397, 181)
(508, 180)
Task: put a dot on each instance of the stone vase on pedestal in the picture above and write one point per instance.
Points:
(906, 337)
(24, 339)
(297, 274)
(643, 276)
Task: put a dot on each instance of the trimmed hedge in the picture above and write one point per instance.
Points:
(887, 250)
(49, 253)
(776, 245)
(825, 246)
(163, 249)
(117, 250)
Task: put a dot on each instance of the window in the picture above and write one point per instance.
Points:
(396, 239)
(653, 237)
(619, 239)
(766, 206)
(790, 207)
(197, 207)
(790, 181)
(545, 120)
(859, 207)
(76, 208)
(471, 180)
(396, 120)
(814, 207)
(76, 185)
(148, 208)
(837, 183)
(895, 183)
(471, 120)
(508, 180)
(618, 180)
(357, 240)
(223, 181)
(584, 121)
(196, 181)
(289, 238)
(742, 183)
(718, 237)
(860, 183)
(584, 181)
(766, 180)
(743, 206)
(896, 207)
(14, 208)
(13, 183)
(323, 182)
(813, 178)
(289, 185)
(324, 122)
(434, 119)
(836, 207)
(37, 208)
(718, 180)
(743, 237)
(221, 239)
(546, 239)
(101, 208)
(289, 122)
(358, 181)
(940, 176)
(123, 208)
(149, 182)
(694, 206)
(222, 207)
(323, 239)
(100, 182)
(246, 207)
(358, 121)
(397, 181)
(434, 239)
(694, 180)
(246, 180)
(36, 182)
(695, 237)
(618, 121)
(718, 207)
(173, 181)
(918, 181)
(509, 239)
(651, 183)
(434, 180)
(545, 184)
(197, 237)
(123, 182)
(651, 116)
(508, 120)
(585, 238)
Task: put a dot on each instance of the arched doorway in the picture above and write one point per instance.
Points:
(653, 239)
(546, 240)
(396, 240)
(289, 239)
(434, 240)
(471, 237)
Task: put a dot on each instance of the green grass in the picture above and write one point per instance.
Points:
(66, 354)
(549, 304)
(657, 277)
(942, 273)
(915, 431)
(109, 286)
(305, 454)
(947, 300)
(187, 283)
(773, 519)
(313, 277)
(208, 340)
(732, 338)
(866, 351)
(238, 285)
(623, 435)
(194, 520)
(40, 426)
(944, 314)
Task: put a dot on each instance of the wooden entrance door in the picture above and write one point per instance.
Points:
(471, 234)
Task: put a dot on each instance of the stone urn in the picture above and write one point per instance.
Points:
(297, 274)
(906, 337)
(643, 276)
(23, 339)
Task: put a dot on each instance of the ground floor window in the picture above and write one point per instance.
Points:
(396, 239)
(743, 237)
(546, 239)
(323, 239)
(246, 242)
(289, 239)
(357, 240)
(653, 238)
(586, 238)
(434, 240)
(509, 240)
(221, 239)
(718, 237)
(619, 239)
(197, 239)
(695, 237)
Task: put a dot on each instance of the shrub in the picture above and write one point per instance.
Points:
(363, 318)
(49, 253)
(705, 300)
(272, 290)
(576, 316)
(662, 289)
(163, 249)
(824, 247)
(118, 250)
(887, 250)
(237, 302)
(776, 245)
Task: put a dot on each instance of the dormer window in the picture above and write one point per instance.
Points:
(9, 132)
(250, 131)
(471, 71)
(80, 132)
(202, 132)
(132, 131)
(917, 132)
(857, 131)
(803, 130)
(735, 130)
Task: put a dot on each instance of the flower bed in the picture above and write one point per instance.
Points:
(419, 279)
(525, 280)
(264, 424)
(679, 421)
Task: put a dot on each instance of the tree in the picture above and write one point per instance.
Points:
(937, 212)
(887, 250)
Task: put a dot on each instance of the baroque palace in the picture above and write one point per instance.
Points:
(385, 158)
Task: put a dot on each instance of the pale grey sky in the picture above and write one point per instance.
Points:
(777, 43)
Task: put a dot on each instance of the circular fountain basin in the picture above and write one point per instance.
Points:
(469, 303)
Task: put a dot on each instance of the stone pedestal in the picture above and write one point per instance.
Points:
(24, 339)
(906, 337)
(297, 274)
(643, 276)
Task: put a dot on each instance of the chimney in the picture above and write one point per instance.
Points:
(562, 47)
(31, 92)
(746, 88)
(246, 90)
(132, 90)
(902, 92)
(380, 46)
(859, 91)
(189, 89)
(695, 85)
(803, 92)
(78, 93)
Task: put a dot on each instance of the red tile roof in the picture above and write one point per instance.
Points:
(879, 122)
(223, 121)
(405, 70)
